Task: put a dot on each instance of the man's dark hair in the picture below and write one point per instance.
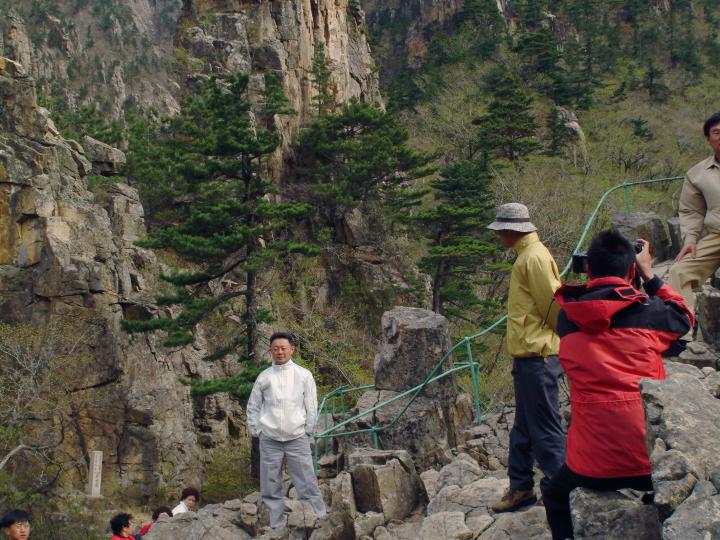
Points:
(190, 492)
(161, 510)
(12, 517)
(119, 522)
(711, 123)
(610, 254)
(284, 335)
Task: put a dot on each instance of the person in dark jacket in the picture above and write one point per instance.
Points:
(611, 336)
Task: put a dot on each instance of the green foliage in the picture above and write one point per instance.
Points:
(208, 164)
(353, 157)
(507, 130)
(320, 77)
(459, 244)
(227, 475)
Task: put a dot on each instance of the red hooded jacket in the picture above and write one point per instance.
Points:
(611, 336)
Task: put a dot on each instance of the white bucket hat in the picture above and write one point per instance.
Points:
(512, 217)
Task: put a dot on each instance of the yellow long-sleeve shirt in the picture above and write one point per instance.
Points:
(532, 312)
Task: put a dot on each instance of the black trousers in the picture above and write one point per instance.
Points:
(537, 432)
(556, 495)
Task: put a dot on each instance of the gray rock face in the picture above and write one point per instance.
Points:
(700, 355)
(675, 237)
(708, 304)
(683, 416)
(462, 471)
(612, 516)
(196, 526)
(105, 159)
(64, 255)
(646, 225)
(444, 525)
(695, 520)
(414, 340)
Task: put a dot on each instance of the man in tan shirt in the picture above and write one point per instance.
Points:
(699, 208)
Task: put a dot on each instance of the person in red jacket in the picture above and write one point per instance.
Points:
(611, 336)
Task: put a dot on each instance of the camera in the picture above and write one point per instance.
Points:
(579, 260)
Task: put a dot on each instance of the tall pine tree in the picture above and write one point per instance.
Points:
(459, 244)
(507, 130)
(224, 221)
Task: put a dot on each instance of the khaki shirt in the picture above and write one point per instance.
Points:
(700, 200)
(532, 310)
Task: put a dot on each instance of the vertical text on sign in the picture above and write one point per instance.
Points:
(95, 473)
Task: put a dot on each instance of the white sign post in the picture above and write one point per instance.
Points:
(95, 473)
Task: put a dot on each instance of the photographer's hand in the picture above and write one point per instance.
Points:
(644, 261)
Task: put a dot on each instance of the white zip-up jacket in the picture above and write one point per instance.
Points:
(283, 403)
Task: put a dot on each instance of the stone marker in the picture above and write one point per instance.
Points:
(95, 473)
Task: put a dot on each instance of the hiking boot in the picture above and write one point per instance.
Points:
(514, 499)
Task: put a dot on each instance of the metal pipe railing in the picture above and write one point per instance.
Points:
(470, 363)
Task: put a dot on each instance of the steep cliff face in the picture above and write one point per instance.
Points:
(109, 53)
(282, 36)
(65, 255)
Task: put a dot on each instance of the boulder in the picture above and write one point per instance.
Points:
(675, 235)
(427, 429)
(462, 471)
(195, 526)
(528, 524)
(444, 525)
(646, 225)
(385, 482)
(414, 341)
(106, 160)
(698, 519)
(611, 515)
(708, 305)
(472, 499)
(699, 354)
(365, 524)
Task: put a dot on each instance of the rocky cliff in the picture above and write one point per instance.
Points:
(65, 255)
(102, 52)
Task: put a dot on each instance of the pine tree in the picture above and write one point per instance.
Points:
(356, 156)
(507, 130)
(320, 76)
(459, 244)
(223, 220)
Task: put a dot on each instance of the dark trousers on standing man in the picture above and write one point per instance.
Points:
(556, 495)
(537, 432)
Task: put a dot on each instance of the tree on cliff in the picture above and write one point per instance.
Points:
(459, 244)
(224, 219)
(356, 156)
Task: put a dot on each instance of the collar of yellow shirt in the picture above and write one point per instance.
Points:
(525, 241)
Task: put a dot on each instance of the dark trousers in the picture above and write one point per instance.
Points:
(537, 432)
(556, 495)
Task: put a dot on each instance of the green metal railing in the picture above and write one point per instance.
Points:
(336, 399)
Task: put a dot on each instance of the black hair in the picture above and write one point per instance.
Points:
(12, 517)
(119, 522)
(190, 492)
(160, 510)
(284, 335)
(711, 123)
(610, 254)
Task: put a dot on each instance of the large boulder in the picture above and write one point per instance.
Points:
(683, 427)
(708, 304)
(675, 235)
(106, 160)
(414, 341)
(214, 522)
(694, 520)
(611, 515)
(444, 525)
(385, 482)
(646, 225)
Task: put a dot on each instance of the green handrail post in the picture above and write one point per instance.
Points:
(628, 203)
(474, 369)
(376, 441)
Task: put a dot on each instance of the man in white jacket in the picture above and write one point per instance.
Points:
(282, 411)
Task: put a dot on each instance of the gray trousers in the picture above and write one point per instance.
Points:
(300, 467)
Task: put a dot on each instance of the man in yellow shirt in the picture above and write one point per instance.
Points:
(531, 339)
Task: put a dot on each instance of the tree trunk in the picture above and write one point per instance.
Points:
(251, 315)
(438, 282)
